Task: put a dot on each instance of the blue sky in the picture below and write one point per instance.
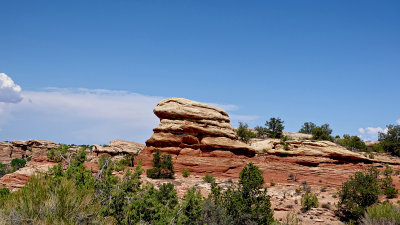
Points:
(335, 62)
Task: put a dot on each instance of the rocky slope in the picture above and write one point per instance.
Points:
(201, 139)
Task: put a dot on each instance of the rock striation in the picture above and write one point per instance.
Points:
(190, 127)
(22, 149)
(118, 146)
(199, 137)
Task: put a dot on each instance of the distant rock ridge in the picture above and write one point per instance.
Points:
(118, 146)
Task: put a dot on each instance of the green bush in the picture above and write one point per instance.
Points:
(261, 131)
(275, 127)
(284, 139)
(308, 201)
(356, 194)
(191, 208)
(352, 143)
(3, 169)
(4, 193)
(286, 147)
(244, 133)
(209, 178)
(214, 214)
(307, 128)
(17, 163)
(390, 141)
(387, 183)
(58, 154)
(382, 214)
(322, 132)
(185, 172)
(391, 192)
(247, 203)
(163, 166)
(126, 161)
(39, 203)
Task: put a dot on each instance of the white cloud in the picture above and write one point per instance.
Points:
(82, 116)
(243, 118)
(9, 92)
(371, 133)
(398, 121)
(79, 116)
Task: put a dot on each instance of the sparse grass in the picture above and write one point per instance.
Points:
(385, 214)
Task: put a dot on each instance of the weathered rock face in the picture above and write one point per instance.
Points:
(18, 149)
(198, 136)
(119, 147)
(194, 128)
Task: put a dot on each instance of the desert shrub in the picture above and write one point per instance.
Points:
(3, 169)
(357, 193)
(209, 178)
(352, 143)
(291, 219)
(371, 155)
(382, 214)
(390, 141)
(124, 162)
(4, 193)
(307, 128)
(387, 183)
(248, 202)
(58, 154)
(322, 132)
(17, 163)
(150, 206)
(275, 127)
(377, 148)
(244, 133)
(308, 201)
(190, 209)
(185, 172)
(286, 147)
(284, 139)
(162, 166)
(391, 192)
(39, 203)
(261, 131)
(213, 214)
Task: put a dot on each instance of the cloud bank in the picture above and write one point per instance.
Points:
(79, 116)
(9, 92)
(371, 133)
(82, 116)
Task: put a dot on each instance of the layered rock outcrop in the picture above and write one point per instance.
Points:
(190, 127)
(22, 149)
(118, 146)
(199, 137)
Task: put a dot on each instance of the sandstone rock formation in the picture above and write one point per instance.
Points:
(20, 149)
(190, 127)
(119, 147)
(199, 137)
(19, 178)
